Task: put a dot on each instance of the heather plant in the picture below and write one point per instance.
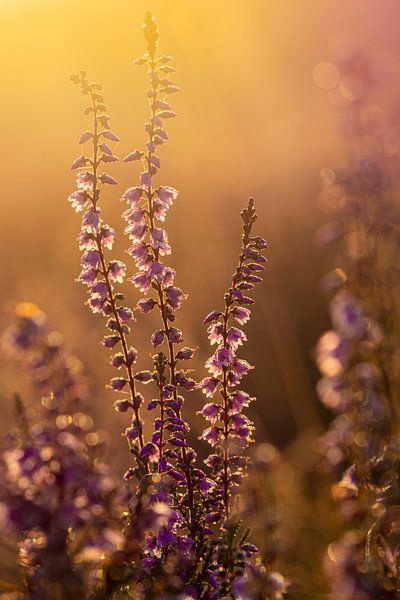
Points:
(358, 357)
(57, 493)
(175, 528)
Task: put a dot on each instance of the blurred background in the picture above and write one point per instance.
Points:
(255, 119)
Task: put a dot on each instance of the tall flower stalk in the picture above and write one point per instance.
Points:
(147, 205)
(99, 274)
(230, 426)
(231, 430)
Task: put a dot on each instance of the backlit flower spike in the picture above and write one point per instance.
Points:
(100, 274)
(230, 428)
(147, 206)
(230, 431)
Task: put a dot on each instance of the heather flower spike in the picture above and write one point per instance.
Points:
(99, 274)
(230, 430)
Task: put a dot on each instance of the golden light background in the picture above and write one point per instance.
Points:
(251, 122)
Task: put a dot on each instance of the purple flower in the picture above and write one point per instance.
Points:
(100, 290)
(125, 314)
(235, 338)
(175, 296)
(157, 338)
(145, 305)
(133, 196)
(136, 155)
(144, 376)
(142, 281)
(111, 340)
(105, 148)
(145, 179)
(209, 385)
(118, 360)
(136, 232)
(211, 435)
(79, 162)
(78, 200)
(240, 400)
(212, 316)
(91, 259)
(159, 241)
(135, 216)
(139, 253)
(150, 451)
(185, 353)
(117, 271)
(84, 181)
(110, 136)
(91, 220)
(347, 315)
(222, 358)
(167, 194)
(210, 412)
(108, 158)
(240, 368)
(174, 335)
(85, 136)
(215, 333)
(122, 405)
(118, 383)
(107, 237)
(107, 179)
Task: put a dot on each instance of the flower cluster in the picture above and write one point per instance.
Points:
(175, 532)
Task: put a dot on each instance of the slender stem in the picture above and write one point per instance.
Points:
(162, 424)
